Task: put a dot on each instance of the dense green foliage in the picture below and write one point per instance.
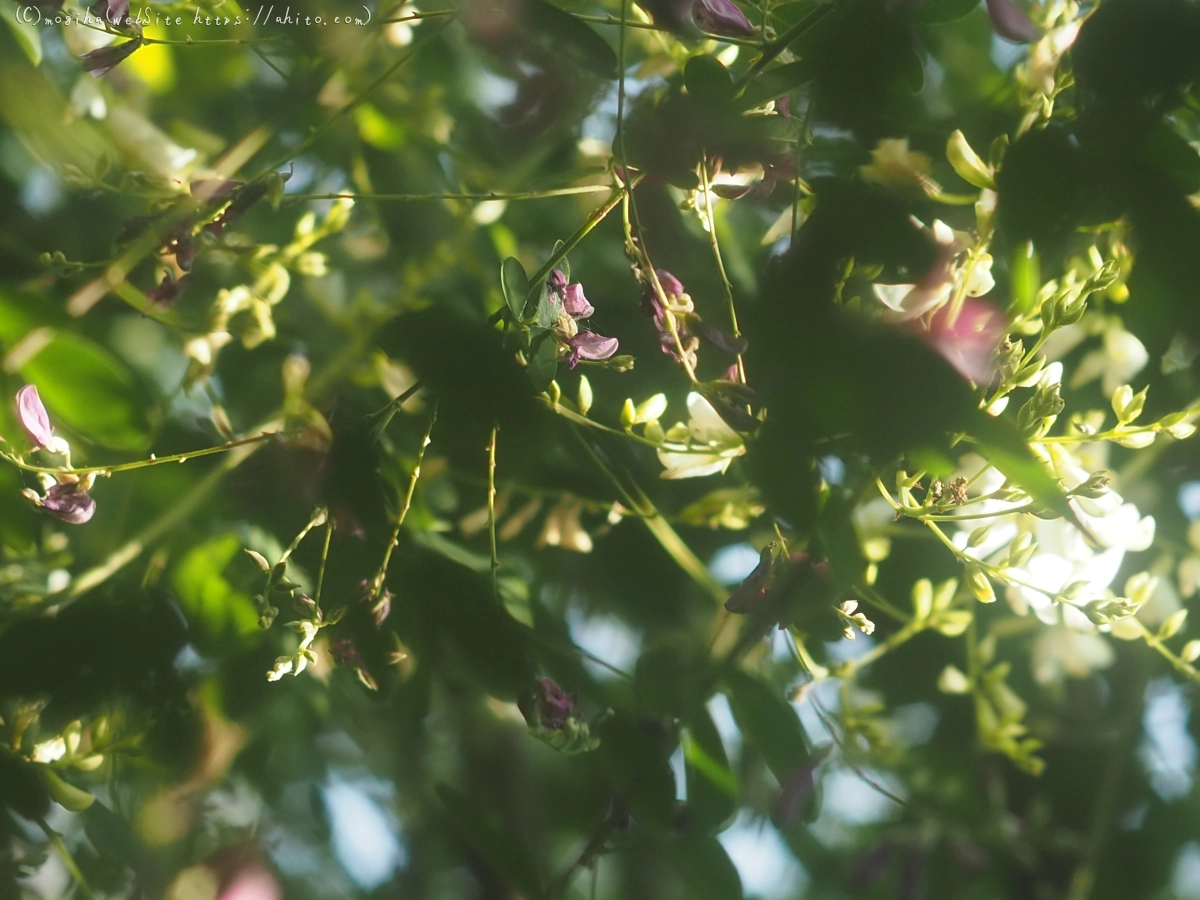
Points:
(573, 448)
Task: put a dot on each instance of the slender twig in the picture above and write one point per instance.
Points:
(142, 463)
(666, 536)
(592, 221)
(324, 560)
(172, 516)
(711, 216)
(68, 860)
(381, 576)
(780, 44)
(650, 26)
(477, 195)
(319, 517)
(432, 14)
(491, 507)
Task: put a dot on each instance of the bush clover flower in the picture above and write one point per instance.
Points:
(35, 421)
(706, 445)
(68, 500)
(721, 17)
(581, 343)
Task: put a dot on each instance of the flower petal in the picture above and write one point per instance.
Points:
(33, 417)
(69, 502)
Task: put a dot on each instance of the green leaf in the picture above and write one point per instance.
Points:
(1002, 445)
(774, 83)
(1166, 149)
(543, 361)
(112, 836)
(706, 868)
(671, 678)
(89, 390)
(935, 12)
(711, 789)
(573, 38)
(707, 81)
(494, 840)
(25, 33)
(223, 616)
(549, 305)
(515, 284)
(635, 755)
(768, 723)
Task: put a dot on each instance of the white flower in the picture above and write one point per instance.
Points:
(707, 431)
(1060, 651)
(980, 280)
(911, 301)
(1063, 556)
(1121, 358)
(50, 751)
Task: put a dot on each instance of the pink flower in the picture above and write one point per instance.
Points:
(1010, 23)
(589, 345)
(34, 418)
(252, 883)
(969, 342)
(721, 17)
(70, 502)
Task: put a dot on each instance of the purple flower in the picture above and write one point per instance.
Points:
(589, 345)
(575, 303)
(70, 502)
(554, 706)
(100, 62)
(671, 285)
(1010, 23)
(34, 418)
(721, 17)
(168, 290)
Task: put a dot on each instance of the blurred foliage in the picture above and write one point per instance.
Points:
(368, 333)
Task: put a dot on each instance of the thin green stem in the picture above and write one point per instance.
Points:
(894, 640)
(780, 44)
(140, 464)
(650, 26)
(578, 419)
(319, 517)
(491, 507)
(477, 195)
(592, 221)
(711, 216)
(171, 517)
(324, 560)
(381, 576)
(68, 860)
(666, 536)
(432, 14)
